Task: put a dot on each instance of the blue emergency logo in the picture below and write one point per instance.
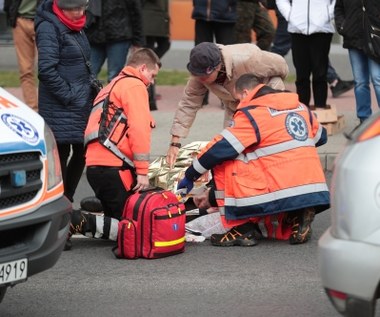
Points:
(21, 127)
(175, 227)
(296, 126)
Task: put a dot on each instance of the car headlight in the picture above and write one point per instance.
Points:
(53, 163)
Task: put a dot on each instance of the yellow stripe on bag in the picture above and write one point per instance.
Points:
(168, 243)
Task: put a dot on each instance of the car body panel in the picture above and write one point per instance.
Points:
(34, 216)
(349, 250)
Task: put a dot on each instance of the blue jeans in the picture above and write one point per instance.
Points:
(364, 69)
(116, 55)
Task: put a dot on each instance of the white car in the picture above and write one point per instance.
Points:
(34, 214)
(349, 251)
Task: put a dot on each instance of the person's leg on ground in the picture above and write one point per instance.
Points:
(302, 64)
(264, 28)
(25, 46)
(98, 56)
(319, 52)
(224, 33)
(282, 42)
(374, 69)
(117, 53)
(74, 171)
(64, 153)
(360, 70)
(162, 45)
(245, 18)
(337, 85)
(300, 221)
(203, 33)
(242, 235)
(108, 185)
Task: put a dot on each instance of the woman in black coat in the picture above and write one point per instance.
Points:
(65, 95)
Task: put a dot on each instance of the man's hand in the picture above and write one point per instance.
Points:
(186, 183)
(142, 183)
(171, 156)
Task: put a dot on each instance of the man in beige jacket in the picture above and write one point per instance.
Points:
(216, 68)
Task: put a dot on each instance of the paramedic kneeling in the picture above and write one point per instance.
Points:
(265, 165)
(117, 139)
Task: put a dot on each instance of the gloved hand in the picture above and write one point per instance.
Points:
(186, 183)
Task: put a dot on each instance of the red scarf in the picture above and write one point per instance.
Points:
(72, 25)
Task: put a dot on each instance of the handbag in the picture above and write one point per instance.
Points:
(95, 83)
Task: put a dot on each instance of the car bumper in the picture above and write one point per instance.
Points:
(38, 236)
(349, 266)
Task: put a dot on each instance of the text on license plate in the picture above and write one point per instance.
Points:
(13, 271)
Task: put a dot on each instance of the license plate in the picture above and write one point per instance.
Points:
(13, 271)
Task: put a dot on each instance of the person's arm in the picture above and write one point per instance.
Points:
(135, 7)
(184, 117)
(284, 6)
(135, 101)
(48, 45)
(339, 16)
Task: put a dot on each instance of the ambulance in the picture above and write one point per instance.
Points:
(34, 213)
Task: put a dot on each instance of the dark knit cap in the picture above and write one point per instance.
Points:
(204, 58)
(71, 4)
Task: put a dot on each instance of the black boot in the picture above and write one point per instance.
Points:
(91, 204)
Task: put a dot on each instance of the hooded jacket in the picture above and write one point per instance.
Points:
(65, 95)
(308, 16)
(238, 59)
(266, 162)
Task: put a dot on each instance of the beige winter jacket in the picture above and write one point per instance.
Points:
(238, 59)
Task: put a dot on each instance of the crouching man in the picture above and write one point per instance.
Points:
(264, 165)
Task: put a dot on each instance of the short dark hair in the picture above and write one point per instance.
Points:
(144, 56)
(246, 81)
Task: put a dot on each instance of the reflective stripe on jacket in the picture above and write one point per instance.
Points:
(266, 162)
(130, 94)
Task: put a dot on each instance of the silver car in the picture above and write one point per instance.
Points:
(349, 251)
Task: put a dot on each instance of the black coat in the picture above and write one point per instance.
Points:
(119, 20)
(65, 97)
(215, 10)
(11, 10)
(349, 22)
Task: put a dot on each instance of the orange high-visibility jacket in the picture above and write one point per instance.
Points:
(267, 161)
(131, 94)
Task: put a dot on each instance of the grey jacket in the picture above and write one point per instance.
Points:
(238, 59)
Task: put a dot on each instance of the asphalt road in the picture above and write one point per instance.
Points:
(273, 279)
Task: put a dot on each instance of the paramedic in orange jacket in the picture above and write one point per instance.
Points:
(264, 164)
(116, 171)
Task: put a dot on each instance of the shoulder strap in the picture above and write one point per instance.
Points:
(88, 63)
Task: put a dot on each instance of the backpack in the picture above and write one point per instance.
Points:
(152, 226)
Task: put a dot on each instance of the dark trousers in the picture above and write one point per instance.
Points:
(160, 45)
(282, 44)
(72, 166)
(311, 58)
(252, 16)
(219, 32)
(108, 186)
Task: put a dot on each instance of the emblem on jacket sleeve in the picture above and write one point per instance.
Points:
(296, 126)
